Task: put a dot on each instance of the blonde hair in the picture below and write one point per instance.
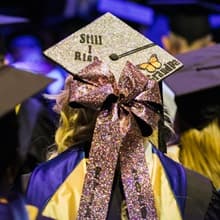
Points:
(180, 45)
(76, 125)
(200, 151)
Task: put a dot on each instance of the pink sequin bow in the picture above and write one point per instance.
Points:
(123, 108)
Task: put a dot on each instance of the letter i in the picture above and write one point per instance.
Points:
(90, 49)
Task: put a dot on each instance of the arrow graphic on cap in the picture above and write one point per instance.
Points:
(115, 56)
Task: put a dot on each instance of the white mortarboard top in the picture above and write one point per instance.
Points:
(113, 42)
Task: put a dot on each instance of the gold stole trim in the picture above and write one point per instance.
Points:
(166, 204)
(64, 203)
(32, 212)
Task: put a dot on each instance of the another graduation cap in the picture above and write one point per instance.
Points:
(115, 43)
(197, 86)
(6, 20)
(17, 85)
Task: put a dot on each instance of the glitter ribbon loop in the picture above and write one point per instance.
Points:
(117, 136)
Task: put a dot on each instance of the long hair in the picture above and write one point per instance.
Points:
(76, 125)
(200, 151)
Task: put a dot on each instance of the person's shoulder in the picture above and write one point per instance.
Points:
(51, 175)
(202, 198)
(195, 192)
(66, 160)
(70, 156)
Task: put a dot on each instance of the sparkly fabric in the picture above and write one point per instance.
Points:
(117, 137)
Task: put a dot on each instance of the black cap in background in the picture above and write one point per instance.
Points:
(197, 86)
(18, 85)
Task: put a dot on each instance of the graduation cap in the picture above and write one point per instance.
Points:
(197, 86)
(18, 85)
(6, 20)
(114, 42)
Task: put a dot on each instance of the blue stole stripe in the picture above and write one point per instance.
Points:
(177, 178)
(14, 209)
(5, 212)
(51, 175)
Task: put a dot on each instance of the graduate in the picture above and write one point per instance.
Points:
(108, 167)
(15, 87)
(189, 28)
(36, 122)
(14, 90)
(197, 94)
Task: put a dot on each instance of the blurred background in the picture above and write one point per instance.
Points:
(49, 21)
(52, 20)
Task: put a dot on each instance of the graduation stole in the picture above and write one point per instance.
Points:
(15, 205)
(126, 110)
